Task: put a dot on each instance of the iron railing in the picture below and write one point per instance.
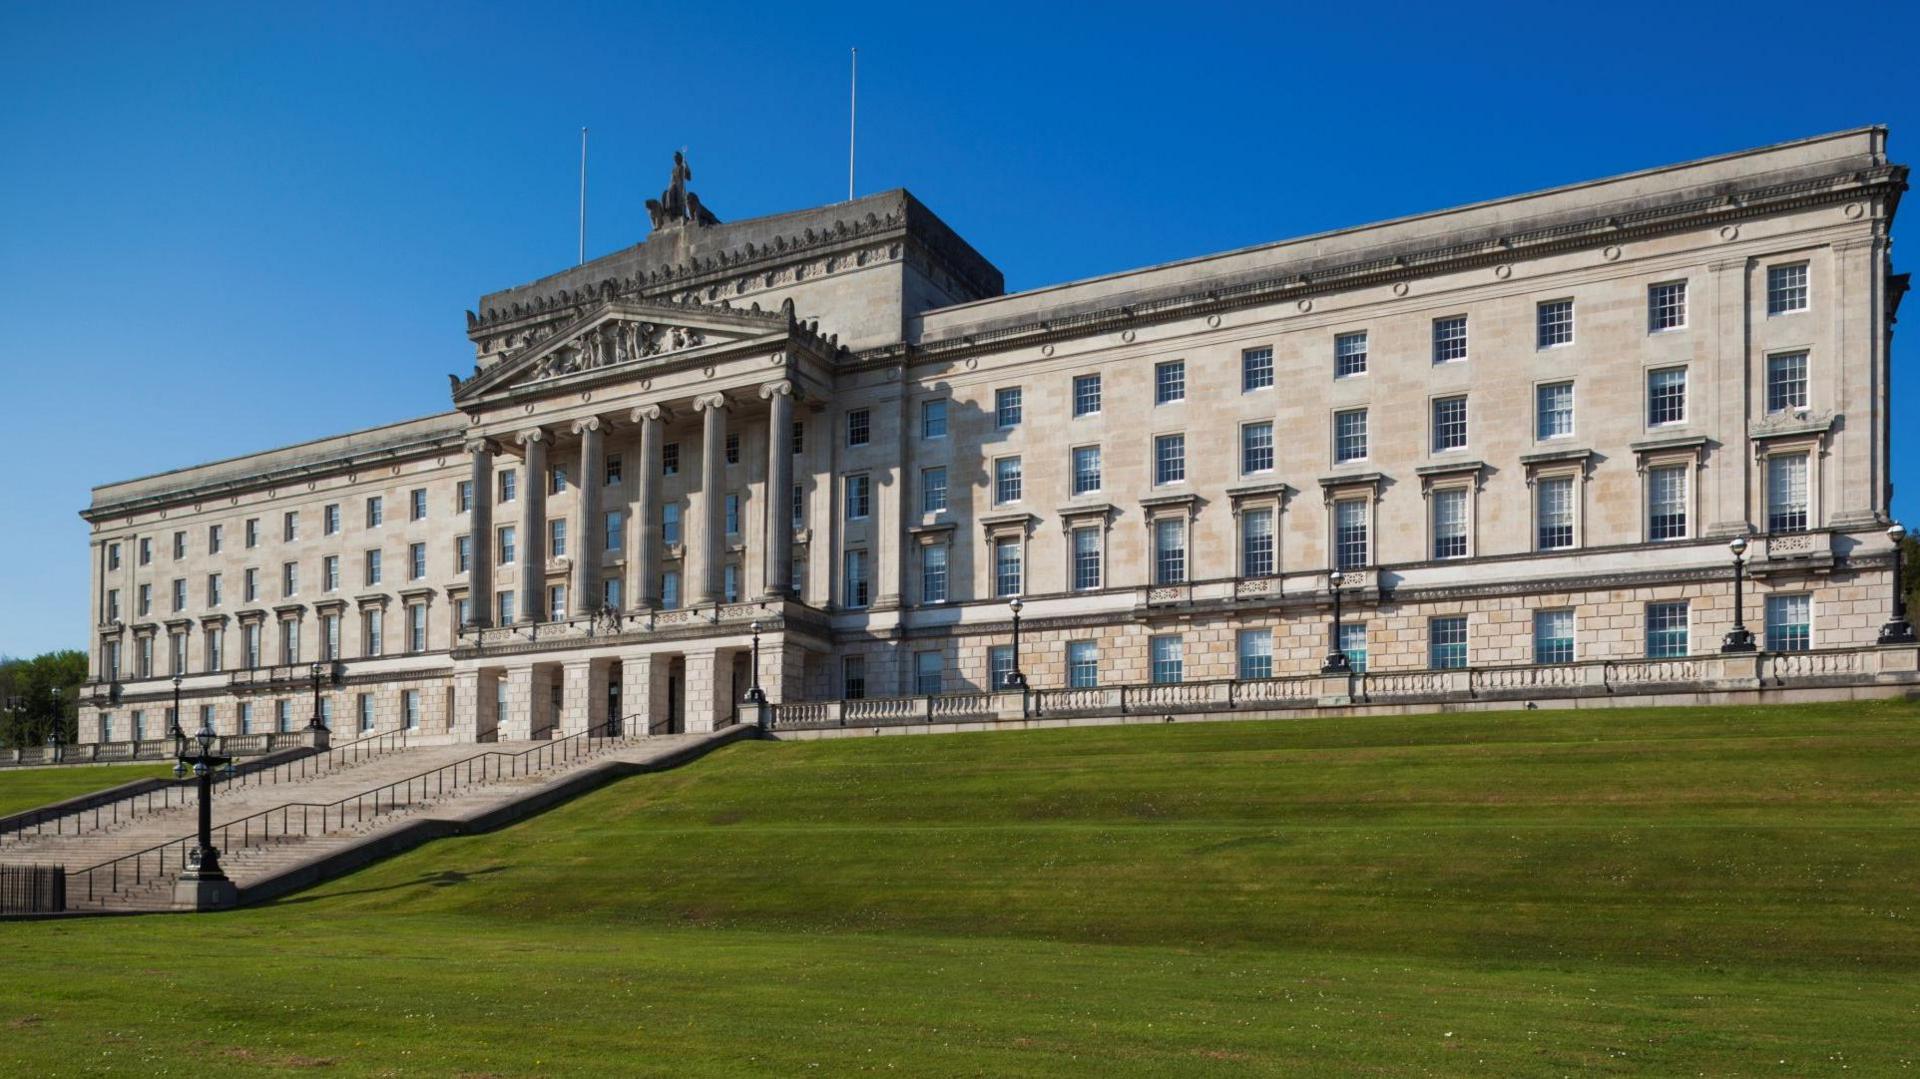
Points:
(32, 889)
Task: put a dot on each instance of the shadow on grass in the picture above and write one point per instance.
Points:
(445, 878)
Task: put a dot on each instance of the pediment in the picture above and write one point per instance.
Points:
(622, 334)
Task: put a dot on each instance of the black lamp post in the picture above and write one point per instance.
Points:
(1015, 679)
(315, 724)
(59, 730)
(756, 695)
(203, 864)
(16, 708)
(176, 733)
(1337, 662)
(1739, 638)
(1897, 630)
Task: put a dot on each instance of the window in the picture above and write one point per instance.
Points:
(1256, 653)
(416, 561)
(670, 524)
(1553, 498)
(1006, 567)
(1086, 470)
(933, 419)
(999, 666)
(670, 459)
(859, 497)
(146, 600)
(1666, 396)
(1447, 643)
(732, 448)
(1007, 407)
(1450, 522)
(113, 605)
(290, 527)
(509, 485)
(177, 653)
(462, 553)
(289, 641)
(732, 515)
(179, 594)
(1086, 559)
(283, 716)
(859, 427)
(1553, 323)
(145, 668)
(1256, 543)
(799, 437)
(1083, 664)
(373, 568)
(1086, 395)
(252, 533)
(1256, 448)
(933, 489)
(557, 602)
(245, 720)
(614, 527)
(505, 602)
(1169, 382)
(1667, 502)
(1787, 493)
(1353, 644)
(1786, 381)
(612, 593)
(1256, 369)
(216, 539)
(729, 582)
(290, 579)
(926, 673)
(463, 611)
(856, 594)
(1350, 354)
(1006, 480)
(1553, 410)
(1350, 533)
(1350, 435)
(146, 550)
(463, 496)
(1666, 306)
(1169, 459)
(557, 478)
(113, 555)
(363, 705)
(509, 548)
(250, 640)
(1169, 551)
(250, 585)
(376, 511)
(853, 677)
(330, 520)
(1167, 659)
(933, 573)
(616, 470)
(330, 573)
(179, 546)
(1553, 636)
(1449, 424)
(373, 625)
(417, 504)
(1789, 623)
(140, 721)
(670, 589)
(1786, 289)
(1666, 630)
(800, 502)
(215, 649)
(410, 709)
(330, 637)
(1450, 339)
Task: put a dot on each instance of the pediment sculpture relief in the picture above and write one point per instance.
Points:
(613, 343)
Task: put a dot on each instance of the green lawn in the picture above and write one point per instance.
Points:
(25, 788)
(1701, 891)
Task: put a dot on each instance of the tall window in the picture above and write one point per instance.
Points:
(730, 582)
(933, 418)
(859, 427)
(1083, 664)
(1256, 543)
(1666, 630)
(1449, 424)
(1006, 567)
(289, 641)
(1786, 381)
(670, 459)
(509, 546)
(290, 579)
(853, 677)
(373, 627)
(614, 525)
(1086, 470)
(1007, 407)
(330, 520)
(1350, 435)
(146, 550)
(1553, 512)
(250, 638)
(1789, 623)
(509, 484)
(1167, 658)
(1169, 551)
(215, 649)
(1786, 289)
(376, 511)
(1256, 369)
(330, 637)
(251, 532)
(462, 553)
(1450, 339)
(283, 716)
(1553, 323)
(1086, 559)
(855, 586)
(1350, 354)
(1169, 382)
(417, 504)
(933, 489)
(615, 470)
(463, 496)
(410, 709)
(1169, 459)
(926, 673)
(800, 501)
(179, 546)
(364, 708)
(290, 527)
(179, 594)
(216, 538)
(373, 567)
(1350, 533)
(557, 538)
(1553, 636)
(1086, 395)
(799, 437)
(933, 573)
(1353, 644)
(1450, 522)
(1256, 653)
(670, 523)
(1787, 493)
(731, 451)
(1256, 448)
(670, 589)
(1553, 410)
(1666, 306)
(859, 497)
(1666, 396)
(1667, 502)
(1006, 481)
(999, 665)
(1447, 643)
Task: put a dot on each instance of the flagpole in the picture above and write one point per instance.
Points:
(583, 196)
(853, 112)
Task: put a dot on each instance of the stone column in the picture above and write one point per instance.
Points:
(589, 530)
(1724, 402)
(480, 535)
(643, 555)
(706, 702)
(517, 723)
(637, 676)
(466, 706)
(581, 679)
(707, 550)
(531, 604)
(779, 502)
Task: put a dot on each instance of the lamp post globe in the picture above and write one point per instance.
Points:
(1898, 630)
(1016, 679)
(1739, 638)
(1336, 662)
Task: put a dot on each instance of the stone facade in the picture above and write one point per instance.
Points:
(1545, 415)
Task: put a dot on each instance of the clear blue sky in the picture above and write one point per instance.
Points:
(227, 228)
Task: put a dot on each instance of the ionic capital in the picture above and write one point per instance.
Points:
(588, 423)
(710, 401)
(532, 435)
(781, 388)
(653, 413)
(481, 445)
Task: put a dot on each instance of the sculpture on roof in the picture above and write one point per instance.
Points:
(677, 206)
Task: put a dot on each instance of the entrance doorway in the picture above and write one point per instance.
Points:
(614, 714)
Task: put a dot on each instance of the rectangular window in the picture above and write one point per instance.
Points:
(799, 437)
(1007, 480)
(557, 602)
(113, 605)
(853, 677)
(330, 573)
(612, 594)
(283, 716)
(1553, 636)
(859, 427)
(1449, 424)
(1083, 664)
(1553, 323)
(1350, 435)
(177, 647)
(1169, 382)
(250, 639)
(1086, 559)
(1086, 395)
(856, 594)
(330, 520)
(252, 530)
(1450, 522)
(1256, 543)
(1256, 653)
(616, 470)
(1667, 502)
(1554, 513)
(410, 709)
(800, 505)
(250, 585)
(463, 496)
(1256, 448)
(859, 497)
(179, 546)
(1169, 459)
(1789, 623)
(670, 589)
(290, 579)
(1553, 410)
(1006, 567)
(1786, 381)
(933, 419)
(1450, 339)
(505, 602)
(216, 538)
(363, 707)
(1666, 306)
(732, 515)
(416, 561)
(373, 568)
(557, 478)
(1086, 470)
(113, 555)
(670, 459)
(1353, 644)
(179, 594)
(462, 553)
(1007, 407)
(509, 546)
(1169, 551)
(290, 527)
(1350, 354)
(927, 671)
(417, 504)
(670, 524)
(1350, 533)
(1786, 289)
(614, 529)
(1168, 660)
(214, 591)
(1666, 396)
(1666, 630)
(376, 511)
(1447, 643)
(145, 668)
(146, 599)
(1256, 369)
(146, 550)
(999, 666)
(933, 573)
(732, 448)
(215, 649)
(289, 642)
(509, 485)
(1787, 493)
(373, 629)
(933, 489)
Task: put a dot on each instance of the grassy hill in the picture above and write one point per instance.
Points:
(26, 788)
(1715, 891)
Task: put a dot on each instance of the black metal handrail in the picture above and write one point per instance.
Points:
(183, 792)
(259, 827)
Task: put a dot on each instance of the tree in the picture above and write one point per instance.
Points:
(1910, 575)
(26, 687)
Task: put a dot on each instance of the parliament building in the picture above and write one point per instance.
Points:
(1515, 444)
